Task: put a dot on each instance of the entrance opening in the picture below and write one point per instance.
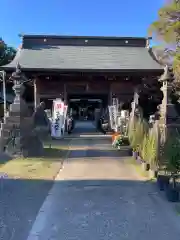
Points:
(83, 106)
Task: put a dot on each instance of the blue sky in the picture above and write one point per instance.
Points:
(76, 17)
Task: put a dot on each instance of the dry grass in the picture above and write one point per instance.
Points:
(45, 167)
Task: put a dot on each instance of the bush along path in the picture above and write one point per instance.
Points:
(163, 165)
(24, 187)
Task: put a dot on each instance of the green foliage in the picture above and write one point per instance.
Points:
(167, 30)
(153, 150)
(132, 133)
(144, 149)
(6, 53)
(149, 149)
(167, 26)
(136, 133)
(171, 153)
(176, 64)
(122, 141)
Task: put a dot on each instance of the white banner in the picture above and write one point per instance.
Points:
(113, 116)
(58, 118)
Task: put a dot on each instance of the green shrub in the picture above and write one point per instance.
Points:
(131, 132)
(171, 154)
(144, 149)
(153, 150)
(136, 134)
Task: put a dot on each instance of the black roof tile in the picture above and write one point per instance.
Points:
(84, 53)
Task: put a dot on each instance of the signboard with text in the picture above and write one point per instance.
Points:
(58, 118)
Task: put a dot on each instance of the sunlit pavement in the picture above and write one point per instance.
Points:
(99, 196)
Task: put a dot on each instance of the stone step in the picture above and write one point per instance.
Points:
(13, 119)
(14, 114)
(7, 131)
(10, 125)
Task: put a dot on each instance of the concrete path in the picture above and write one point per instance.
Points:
(99, 196)
(86, 129)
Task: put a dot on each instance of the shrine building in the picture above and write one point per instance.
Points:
(87, 72)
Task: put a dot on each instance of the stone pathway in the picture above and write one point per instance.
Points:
(99, 196)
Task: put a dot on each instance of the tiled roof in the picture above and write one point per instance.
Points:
(84, 57)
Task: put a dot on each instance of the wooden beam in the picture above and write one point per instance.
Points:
(35, 94)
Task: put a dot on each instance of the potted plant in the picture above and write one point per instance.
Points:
(117, 141)
(122, 141)
(115, 138)
(172, 154)
(163, 180)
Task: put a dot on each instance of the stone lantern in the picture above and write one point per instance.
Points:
(21, 117)
(169, 117)
(18, 107)
(168, 113)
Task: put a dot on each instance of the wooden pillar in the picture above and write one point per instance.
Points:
(36, 95)
(65, 93)
(110, 94)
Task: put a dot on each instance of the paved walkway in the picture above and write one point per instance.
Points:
(99, 196)
(86, 129)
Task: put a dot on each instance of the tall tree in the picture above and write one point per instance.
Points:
(6, 53)
(167, 29)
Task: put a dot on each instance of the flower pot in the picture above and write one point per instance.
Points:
(172, 194)
(145, 166)
(163, 182)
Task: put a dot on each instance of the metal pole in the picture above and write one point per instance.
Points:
(3, 74)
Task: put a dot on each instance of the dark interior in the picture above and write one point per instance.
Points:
(83, 105)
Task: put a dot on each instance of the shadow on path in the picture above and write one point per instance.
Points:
(135, 203)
